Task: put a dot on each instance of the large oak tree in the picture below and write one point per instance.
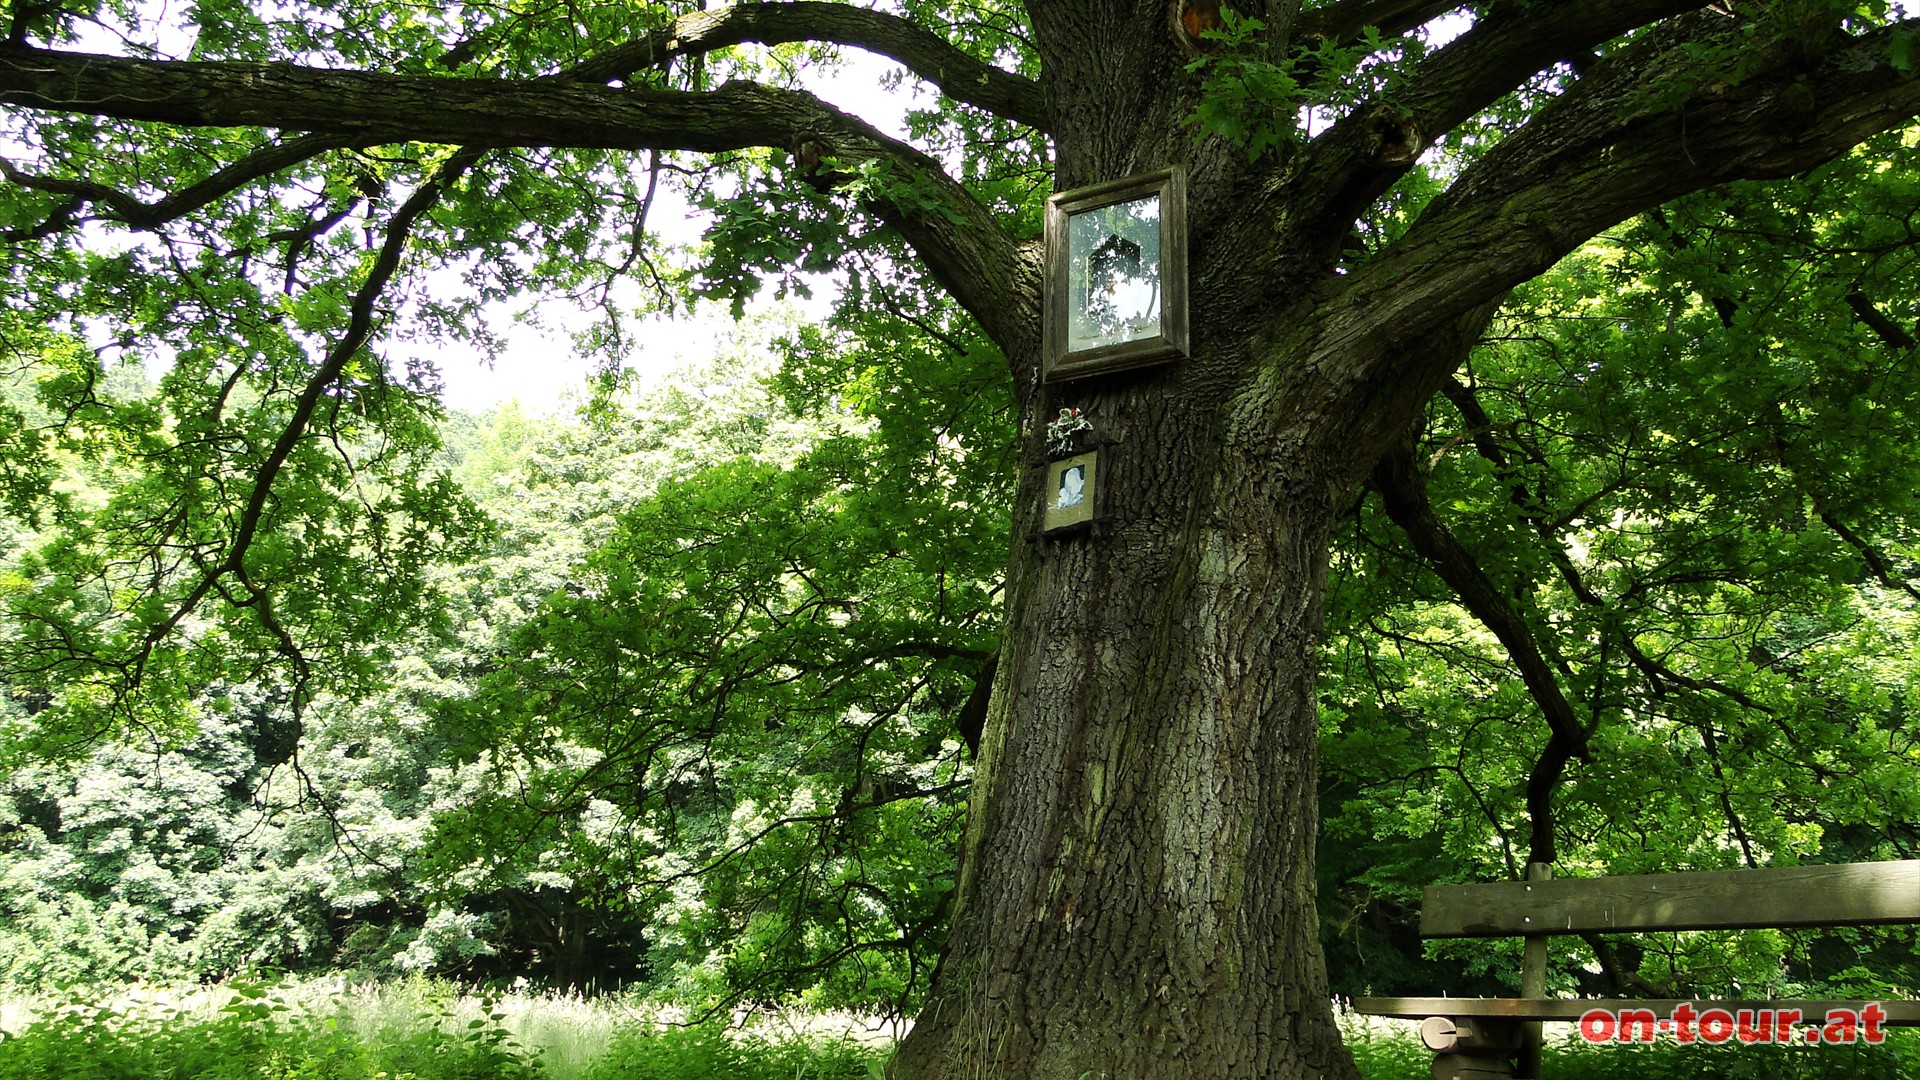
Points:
(1136, 896)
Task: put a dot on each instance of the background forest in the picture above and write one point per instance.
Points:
(677, 696)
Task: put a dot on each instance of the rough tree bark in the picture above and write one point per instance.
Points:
(1136, 894)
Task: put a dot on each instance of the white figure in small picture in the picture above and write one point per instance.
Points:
(1072, 487)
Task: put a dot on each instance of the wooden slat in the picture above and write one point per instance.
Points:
(1898, 1013)
(1853, 894)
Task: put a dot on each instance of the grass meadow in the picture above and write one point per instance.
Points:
(425, 1030)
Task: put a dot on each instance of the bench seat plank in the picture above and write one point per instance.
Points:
(1898, 1013)
(1854, 894)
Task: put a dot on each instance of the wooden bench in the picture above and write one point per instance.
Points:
(1487, 1037)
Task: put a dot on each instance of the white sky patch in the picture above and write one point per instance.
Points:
(540, 369)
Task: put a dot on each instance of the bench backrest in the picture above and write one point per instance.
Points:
(1853, 894)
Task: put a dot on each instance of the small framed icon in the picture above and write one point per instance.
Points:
(1072, 484)
(1116, 276)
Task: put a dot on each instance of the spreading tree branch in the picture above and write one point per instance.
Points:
(929, 56)
(1658, 674)
(1877, 563)
(1360, 157)
(961, 243)
(1605, 150)
(1896, 340)
(247, 525)
(1480, 433)
(1789, 458)
(1891, 334)
(1512, 45)
(1402, 488)
(385, 108)
(138, 214)
(972, 719)
(1342, 23)
(1624, 976)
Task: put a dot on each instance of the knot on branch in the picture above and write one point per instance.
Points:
(1799, 106)
(1396, 140)
(1192, 18)
(815, 157)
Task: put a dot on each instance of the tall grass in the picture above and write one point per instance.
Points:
(415, 1030)
(1392, 1051)
(427, 1030)
(1896, 1059)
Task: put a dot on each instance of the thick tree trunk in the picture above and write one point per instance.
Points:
(1137, 891)
(1136, 895)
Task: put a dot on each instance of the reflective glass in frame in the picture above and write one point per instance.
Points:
(1116, 276)
(1072, 484)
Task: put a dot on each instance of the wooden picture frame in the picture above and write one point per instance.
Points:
(1115, 287)
(1072, 486)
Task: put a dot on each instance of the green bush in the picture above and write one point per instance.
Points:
(50, 944)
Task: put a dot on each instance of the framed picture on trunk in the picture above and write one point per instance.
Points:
(1116, 276)
(1071, 486)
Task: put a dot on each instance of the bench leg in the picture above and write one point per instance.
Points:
(1474, 1065)
(1529, 1063)
(1470, 1049)
(1533, 983)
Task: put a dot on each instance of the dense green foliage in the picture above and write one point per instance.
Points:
(678, 693)
(782, 578)
(691, 716)
(788, 590)
(1694, 487)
